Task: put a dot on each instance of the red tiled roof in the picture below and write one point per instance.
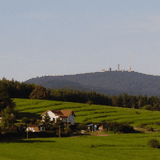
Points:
(66, 113)
(61, 113)
(57, 112)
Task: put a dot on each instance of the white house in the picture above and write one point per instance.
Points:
(67, 116)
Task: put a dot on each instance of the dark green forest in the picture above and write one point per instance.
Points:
(108, 82)
(15, 89)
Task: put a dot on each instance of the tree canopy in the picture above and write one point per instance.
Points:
(39, 93)
(8, 118)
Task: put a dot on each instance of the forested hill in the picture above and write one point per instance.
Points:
(108, 82)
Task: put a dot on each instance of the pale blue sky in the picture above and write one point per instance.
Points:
(55, 37)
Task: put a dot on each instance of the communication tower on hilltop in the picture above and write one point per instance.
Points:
(129, 63)
(129, 69)
(118, 66)
(109, 69)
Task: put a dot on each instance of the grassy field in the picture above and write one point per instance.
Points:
(86, 113)
(113, 147)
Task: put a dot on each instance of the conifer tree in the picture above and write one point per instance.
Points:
(8, 118)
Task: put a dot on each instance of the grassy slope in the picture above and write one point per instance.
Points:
(84, 112)
(113, 147)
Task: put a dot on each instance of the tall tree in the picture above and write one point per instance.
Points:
(8, 118)
(39, 93)
(125, 98)
(133, 101)
(114, 100)
(5, 100)
(6, 108)
(46, 119)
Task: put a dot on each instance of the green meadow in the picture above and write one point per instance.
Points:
(87, 113)
(113, 147)
(132, 146)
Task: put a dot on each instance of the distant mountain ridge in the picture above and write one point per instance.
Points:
(106, 82)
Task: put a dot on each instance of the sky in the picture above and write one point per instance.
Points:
(63, 37)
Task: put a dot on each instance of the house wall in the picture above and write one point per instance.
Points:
(32, 129)
(65, 120)
(71, 119)
(52, 116)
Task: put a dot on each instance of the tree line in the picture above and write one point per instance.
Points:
(16, 89)
(122, 100)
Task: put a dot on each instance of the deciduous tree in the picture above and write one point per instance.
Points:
(8, 118)
(39, 93)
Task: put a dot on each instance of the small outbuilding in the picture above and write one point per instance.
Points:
(32, 128)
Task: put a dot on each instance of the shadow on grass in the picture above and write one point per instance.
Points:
(15, 137)
(20, 115)
(31, 141)
(136, 131)
(34, 108)
(57, 104)
(18, 140)
(104, 112)
(105, 145)
(102, 145)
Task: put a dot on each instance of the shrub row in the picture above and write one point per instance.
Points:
(119, 127)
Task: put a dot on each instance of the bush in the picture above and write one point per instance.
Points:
(119, 127)
(155, 107)
(150, 129)
(147, 107)
(90, 102)
(67, 131)
(82, 126)
(92, 146)
(33, 121)
(21, 127)
(153, 143)
(158, 123)
(143, 125)
(26, 120)
(73, 127)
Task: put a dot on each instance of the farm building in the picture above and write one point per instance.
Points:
(96, 126)
(67, 116)
(32, 128)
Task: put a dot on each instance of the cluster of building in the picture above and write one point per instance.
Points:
(65, 116)
(129, 69)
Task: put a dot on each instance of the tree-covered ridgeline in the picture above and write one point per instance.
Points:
(122, 100)
(16, 89)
